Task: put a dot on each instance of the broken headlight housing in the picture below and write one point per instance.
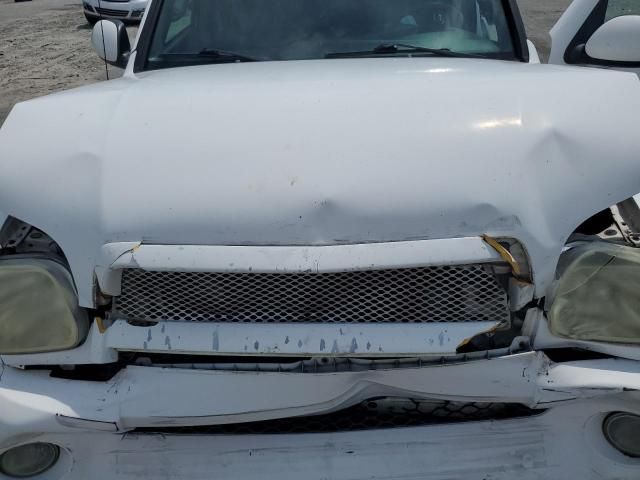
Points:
(39, 309)
(596, 296)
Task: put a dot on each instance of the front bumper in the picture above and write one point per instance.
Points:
(98, 424)
(561, 444)
(132, 10)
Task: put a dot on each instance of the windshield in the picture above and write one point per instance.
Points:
(219, 31)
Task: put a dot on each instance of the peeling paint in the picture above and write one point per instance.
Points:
(291, 339)
(129, 251)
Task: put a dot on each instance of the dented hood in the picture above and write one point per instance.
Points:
(325, 152)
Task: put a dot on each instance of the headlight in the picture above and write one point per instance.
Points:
(38, 307)
(597, 297)
(29, 460)
(623, 432)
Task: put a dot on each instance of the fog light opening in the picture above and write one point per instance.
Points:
(29, 460)
(622, 431)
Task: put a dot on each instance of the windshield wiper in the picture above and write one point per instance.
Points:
(223, 54)
(401, 49)
(209, 55)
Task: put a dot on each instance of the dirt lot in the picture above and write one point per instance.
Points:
(539, 17)
(44, 46)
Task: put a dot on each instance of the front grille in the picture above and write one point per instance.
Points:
(372, 414)
(411, 295)
(112, 13)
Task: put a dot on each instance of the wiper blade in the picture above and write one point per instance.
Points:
(208, 55)
(226, 55)
(402, 49)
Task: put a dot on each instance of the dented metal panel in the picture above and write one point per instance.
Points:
(292, 259)
(529, 158)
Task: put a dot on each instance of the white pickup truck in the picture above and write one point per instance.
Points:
(345, 240)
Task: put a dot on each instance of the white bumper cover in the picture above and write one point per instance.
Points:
(93, 422)
(561, 444)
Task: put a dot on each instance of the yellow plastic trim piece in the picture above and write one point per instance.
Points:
(505, 254)
(100, 324)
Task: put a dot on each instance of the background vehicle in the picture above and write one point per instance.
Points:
(381, 243)
(126, 10)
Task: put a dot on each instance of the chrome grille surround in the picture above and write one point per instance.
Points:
(467, 293)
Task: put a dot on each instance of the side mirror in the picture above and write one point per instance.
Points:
(618, 40)
(111, 42)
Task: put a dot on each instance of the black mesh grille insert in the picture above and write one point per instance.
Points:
(112, 13)
(430, 294)
(372, 414)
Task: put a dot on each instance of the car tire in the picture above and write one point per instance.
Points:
(91, 19)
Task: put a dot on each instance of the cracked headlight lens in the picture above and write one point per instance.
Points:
(39, 309)
(596, 298)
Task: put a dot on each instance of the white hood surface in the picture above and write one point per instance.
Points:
(325, 152)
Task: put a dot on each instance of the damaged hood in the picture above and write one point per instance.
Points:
(325, 152)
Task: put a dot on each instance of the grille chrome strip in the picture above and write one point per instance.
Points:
(468, 293)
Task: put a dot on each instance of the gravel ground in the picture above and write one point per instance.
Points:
(45, 46)
(44, 50)
(539, 16)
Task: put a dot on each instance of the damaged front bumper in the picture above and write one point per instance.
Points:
(130, 426)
